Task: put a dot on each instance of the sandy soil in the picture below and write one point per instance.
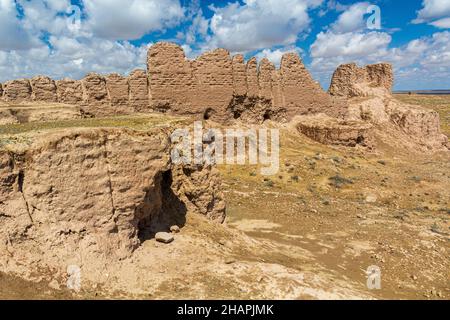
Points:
(309, 232)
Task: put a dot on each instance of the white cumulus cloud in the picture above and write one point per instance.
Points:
(117, 20)
(434, 12)
(260, 24)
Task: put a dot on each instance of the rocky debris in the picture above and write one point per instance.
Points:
(350, 81)
(175, 229)
(327, 130)
(371, 198)
(43, 89)
(72, 194)
(118, 94)
(138, 86)
(7, 116)
(17, 90)
(1, 90)
(164, 237)
(422, 125)
(69, 91)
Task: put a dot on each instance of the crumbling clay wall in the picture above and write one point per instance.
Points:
(223, 88)
(17, 90)
(118, 94)
(72, 197)
(69, 91)
(43, 89)
(350, 81)
(214, 86)
(95, 94)
(139, 94)
(411, 126)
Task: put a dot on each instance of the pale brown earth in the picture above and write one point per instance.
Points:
(309, 233)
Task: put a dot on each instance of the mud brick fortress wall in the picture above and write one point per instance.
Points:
(214, 86)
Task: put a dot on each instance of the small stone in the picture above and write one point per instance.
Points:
(371, 198)
(175, 229)
(54, 285)
(164, 237)
(414, 277)
(230, 261)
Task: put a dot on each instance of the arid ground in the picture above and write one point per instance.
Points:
(309, 232)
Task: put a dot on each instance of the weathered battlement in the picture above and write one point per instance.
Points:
(215, 85)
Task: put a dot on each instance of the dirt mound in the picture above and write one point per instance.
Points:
(72, 197)
(327, 130)
(350, 81)
(400, 124)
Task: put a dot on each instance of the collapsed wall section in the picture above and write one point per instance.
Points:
(411, 126)
(349, 80)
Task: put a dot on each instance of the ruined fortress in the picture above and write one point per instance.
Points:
(222, 88)
(214, 86)
(91, 196)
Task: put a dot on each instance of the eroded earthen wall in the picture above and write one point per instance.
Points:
(139, 94)
(118, 94)
(43, 89)
(349, 80)
(95, 94)
(222, 88)
(69, 91)
(17, 90)
(171, 79)
(214, 86)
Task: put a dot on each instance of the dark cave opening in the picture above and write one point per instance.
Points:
(161, 208)
(208, 114)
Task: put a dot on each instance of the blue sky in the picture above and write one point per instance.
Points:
(63, 38)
